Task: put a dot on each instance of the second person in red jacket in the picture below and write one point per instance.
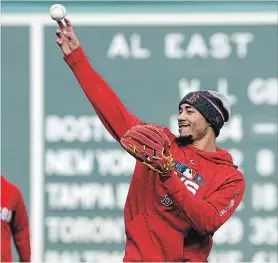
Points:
(14, 223)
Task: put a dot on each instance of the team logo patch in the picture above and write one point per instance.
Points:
(189, 173)
(189, 177)
(232, 203)
(166, 201)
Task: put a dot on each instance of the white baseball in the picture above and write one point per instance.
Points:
(57, 12)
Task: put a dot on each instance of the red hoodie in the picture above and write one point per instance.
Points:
(14, 223)
(174, 220)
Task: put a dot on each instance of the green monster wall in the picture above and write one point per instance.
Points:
(74, 176)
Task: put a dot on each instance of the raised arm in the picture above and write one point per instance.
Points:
(111, 111)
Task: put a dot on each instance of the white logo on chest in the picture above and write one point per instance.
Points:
(190, 185)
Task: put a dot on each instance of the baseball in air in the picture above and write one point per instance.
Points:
(57, 12)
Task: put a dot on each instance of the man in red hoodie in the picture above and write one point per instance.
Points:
(14, 223)
(180, 197)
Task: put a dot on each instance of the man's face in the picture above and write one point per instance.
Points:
(191, 122)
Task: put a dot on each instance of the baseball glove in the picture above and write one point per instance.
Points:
(150, 146)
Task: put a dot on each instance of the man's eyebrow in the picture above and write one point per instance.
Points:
(186, 107)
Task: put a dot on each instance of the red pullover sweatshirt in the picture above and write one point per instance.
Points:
(14, 223)
(176, 219)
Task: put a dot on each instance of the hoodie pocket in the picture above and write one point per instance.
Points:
(169, 240)
(140, 245)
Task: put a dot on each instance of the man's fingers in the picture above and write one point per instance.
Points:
(61, 25)
(59, 42)
(61, 34)
(69, 26)
(68, 35)
(58, 33)
(64, 46)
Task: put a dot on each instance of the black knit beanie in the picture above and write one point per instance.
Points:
(214, 106)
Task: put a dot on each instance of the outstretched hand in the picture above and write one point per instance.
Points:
(67, 39)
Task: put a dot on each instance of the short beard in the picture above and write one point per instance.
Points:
(184, 140)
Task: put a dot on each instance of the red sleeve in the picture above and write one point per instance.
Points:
(20, 230)
(113, 114)
(206, 216)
